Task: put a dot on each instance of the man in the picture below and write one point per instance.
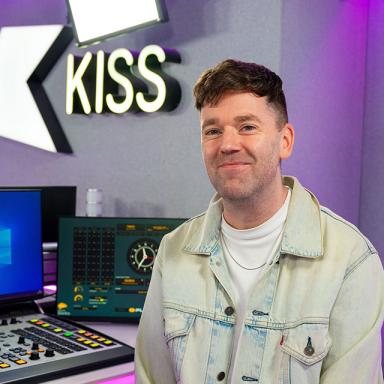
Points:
(266, 286)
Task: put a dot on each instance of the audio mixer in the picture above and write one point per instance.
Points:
(39, 347)
(33, 346)
(105, 265)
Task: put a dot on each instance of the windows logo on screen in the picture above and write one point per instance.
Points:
(5, 247)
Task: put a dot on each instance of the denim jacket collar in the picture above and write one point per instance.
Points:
(303, 233)
(206, 238)
(298, 239)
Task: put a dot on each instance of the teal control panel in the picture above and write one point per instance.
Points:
(105, 265)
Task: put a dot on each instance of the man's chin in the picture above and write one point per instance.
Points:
(233, 195)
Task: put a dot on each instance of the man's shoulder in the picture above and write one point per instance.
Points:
(184, 231)
(339, 232)
(178, 245)
(345, 227)
(186, 228)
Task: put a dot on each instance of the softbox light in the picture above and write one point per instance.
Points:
(97, 20)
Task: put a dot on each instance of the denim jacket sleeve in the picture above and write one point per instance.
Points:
(355, 326)
(152, 358)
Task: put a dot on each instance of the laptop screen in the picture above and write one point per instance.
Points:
(21, 266)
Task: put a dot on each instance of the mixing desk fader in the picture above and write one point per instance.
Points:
(39, 347)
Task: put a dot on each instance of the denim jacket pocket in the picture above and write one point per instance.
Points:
(177, 326)
(304, 347)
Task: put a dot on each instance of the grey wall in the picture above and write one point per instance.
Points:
(372, 186)
(32, 12)
(323, 64)
(150, 165)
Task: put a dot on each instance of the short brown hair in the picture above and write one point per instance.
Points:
(238, 76)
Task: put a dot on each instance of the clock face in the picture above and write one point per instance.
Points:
(141, 255)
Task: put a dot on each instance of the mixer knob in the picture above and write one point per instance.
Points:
(34, 356)
(49, 353)
(21, 340)
(4, 322)
(13, 320)
(35, 346)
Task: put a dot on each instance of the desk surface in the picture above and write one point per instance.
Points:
(122, 332)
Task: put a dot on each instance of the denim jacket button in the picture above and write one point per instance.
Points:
(309, 350)
(229, 311)
(221, 376)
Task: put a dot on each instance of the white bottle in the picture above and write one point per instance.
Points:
(94, 203)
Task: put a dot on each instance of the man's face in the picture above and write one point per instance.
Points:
(242, 145)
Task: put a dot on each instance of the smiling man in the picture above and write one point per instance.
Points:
(267, 285)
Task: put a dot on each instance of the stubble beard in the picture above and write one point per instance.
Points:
(253, 186)
(242, 190)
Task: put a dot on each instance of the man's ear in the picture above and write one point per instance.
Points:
(287, 141)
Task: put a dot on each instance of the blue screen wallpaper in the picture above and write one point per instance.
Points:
(20, 242)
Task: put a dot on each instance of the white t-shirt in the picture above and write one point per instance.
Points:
(247, 253)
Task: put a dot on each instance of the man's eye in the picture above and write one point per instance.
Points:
(211, 132)
(248, 128)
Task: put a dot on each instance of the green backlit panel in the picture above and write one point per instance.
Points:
(105, 265)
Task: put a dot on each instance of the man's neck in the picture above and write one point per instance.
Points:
(250, 213)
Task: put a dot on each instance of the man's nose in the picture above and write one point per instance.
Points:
(230, 140)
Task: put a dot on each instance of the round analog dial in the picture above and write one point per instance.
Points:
(141, 255)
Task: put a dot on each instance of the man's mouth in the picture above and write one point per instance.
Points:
(233, 164)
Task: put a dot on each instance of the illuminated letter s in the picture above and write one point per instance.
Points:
(149, 65)
(123, 106)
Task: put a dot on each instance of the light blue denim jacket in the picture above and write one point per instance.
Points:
(314, 317)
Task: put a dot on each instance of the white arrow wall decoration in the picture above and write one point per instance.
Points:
(27, 54)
